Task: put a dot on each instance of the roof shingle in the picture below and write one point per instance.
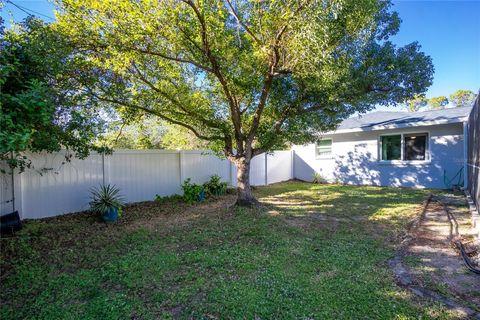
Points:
(389, 118)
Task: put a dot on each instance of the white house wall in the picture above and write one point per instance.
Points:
(355, 159)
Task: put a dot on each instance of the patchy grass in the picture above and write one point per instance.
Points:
(310, 252)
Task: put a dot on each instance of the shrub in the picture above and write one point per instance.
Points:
(165, 199)
(318, 178)
(215, 186)
(105, 198)
(192, 192)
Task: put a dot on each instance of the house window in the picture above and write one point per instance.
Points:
(392, 147)
(415, 146)
(408, 147)
(323, 148)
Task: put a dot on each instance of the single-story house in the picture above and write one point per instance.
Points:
(401, 149)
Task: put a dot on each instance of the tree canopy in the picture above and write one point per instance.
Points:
(246, 76)
(460, 98)
(463, 98)
(149, 133)
(419, 101)
(437, 103)
(40, 110)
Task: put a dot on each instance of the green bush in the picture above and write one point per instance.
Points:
(165, 199)
(191, 191)
(215, 186)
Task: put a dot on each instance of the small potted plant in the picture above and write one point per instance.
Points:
(106, 201)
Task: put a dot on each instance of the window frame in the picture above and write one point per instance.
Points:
(317, 156)
(428, 157)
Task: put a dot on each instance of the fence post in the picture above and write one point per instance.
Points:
(292, 169)
(266, 169)
(182, 171)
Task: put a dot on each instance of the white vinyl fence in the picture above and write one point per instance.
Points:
(53, 187)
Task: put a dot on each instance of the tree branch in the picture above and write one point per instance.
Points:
(269, 78)
(176, 59)
(160, 115)
(164, 94)
(245, 27)
(234, 109)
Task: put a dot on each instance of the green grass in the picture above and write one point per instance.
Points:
(311, 252)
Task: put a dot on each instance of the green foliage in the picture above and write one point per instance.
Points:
(165, 199)
(142, 133)
(42, 107)
(179, 138)
(460, 98)
(419, 101)
(191, 191)
(248, 76)
(147, 132)
(318, 178)
(438, 103)
(215, 186)
(104, 198)
(463, 98)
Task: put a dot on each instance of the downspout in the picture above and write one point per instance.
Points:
(465, 155)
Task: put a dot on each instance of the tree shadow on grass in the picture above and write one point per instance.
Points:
(372, 208)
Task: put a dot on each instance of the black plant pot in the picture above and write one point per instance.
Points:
(10, 223)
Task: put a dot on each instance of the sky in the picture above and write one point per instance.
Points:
(448, 31)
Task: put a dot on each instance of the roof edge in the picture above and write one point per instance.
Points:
(399, 126)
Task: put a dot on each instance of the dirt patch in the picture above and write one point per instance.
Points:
(182, 214)
(430, 259)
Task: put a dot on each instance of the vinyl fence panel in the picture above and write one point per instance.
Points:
(257, 170)
(279, 166)
(141, 175)
(53, 186)
(201, 165)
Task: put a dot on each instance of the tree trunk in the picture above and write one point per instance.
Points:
(244, 191)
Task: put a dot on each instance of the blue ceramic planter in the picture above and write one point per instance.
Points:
(201, 196)
(111, 215)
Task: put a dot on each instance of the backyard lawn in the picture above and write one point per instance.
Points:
(309, 252)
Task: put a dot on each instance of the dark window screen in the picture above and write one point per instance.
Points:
(415, 146)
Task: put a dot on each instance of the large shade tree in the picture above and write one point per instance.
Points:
(42, 107)
(246, 76)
